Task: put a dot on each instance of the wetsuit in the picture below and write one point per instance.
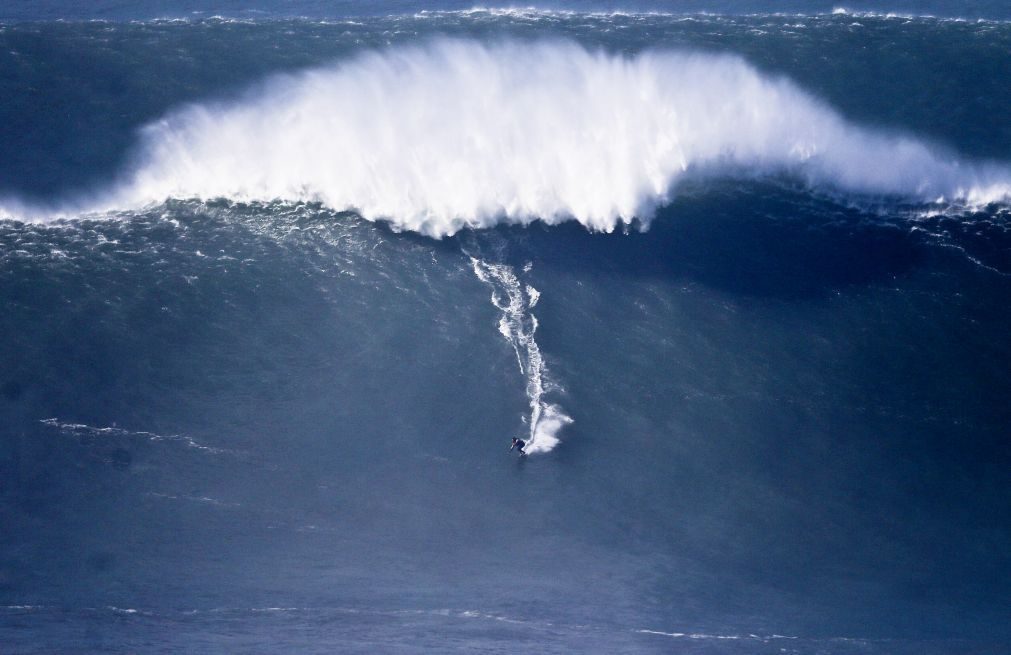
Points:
(518, 445)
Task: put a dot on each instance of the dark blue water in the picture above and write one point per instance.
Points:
(277, 291)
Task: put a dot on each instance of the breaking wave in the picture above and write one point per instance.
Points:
(457, 134)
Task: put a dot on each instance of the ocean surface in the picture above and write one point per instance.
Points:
(277, 287)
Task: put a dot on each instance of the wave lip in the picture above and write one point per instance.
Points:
(459, 134)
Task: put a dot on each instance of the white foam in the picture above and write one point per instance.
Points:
(196, 499)
(519, 326)
(705, 636)
(459, 134)
(87, 431)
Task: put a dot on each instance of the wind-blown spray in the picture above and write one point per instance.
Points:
(459, 134)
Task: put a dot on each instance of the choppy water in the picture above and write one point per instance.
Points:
(277, 291)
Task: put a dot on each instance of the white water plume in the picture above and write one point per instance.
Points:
(457, 134)
(518, 325)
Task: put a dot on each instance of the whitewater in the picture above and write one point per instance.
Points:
(518, 325)
(460, 134)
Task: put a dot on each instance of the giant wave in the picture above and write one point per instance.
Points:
(457, 134)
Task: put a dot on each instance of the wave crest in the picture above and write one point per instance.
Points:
(459, 134)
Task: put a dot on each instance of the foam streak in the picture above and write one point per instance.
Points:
(518, 325)
(87, 432)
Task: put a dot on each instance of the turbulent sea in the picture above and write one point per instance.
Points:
(277, 287)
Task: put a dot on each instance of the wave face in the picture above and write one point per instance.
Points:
(774, 422)
(461, 134)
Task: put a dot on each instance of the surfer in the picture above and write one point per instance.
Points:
(518, 444)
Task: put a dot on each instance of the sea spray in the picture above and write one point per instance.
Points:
(516, 132)
(460, 134)
(518, 325)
